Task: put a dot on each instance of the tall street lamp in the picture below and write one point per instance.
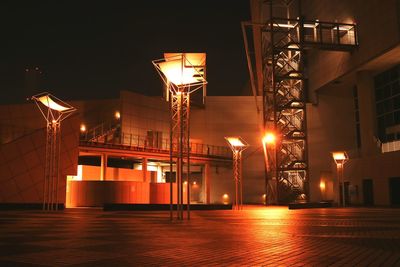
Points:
(183, 74)
(340, 158)
(54, 112)
(237, 145)
(269, 143)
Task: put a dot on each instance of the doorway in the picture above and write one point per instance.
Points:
(368, 192)
(394, 191)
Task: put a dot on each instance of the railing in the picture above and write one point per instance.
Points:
(318, 32)
(100, 131)
(143, 143)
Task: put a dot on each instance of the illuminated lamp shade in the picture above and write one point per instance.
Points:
(339, 157)
(49, 102)
(236, 142)
(180, 74)
(176, 74)
(182, 69)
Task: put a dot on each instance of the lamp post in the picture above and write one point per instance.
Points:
(237, 145)
(54, 111)
(182, 74)
(340, 158)
(269, 142)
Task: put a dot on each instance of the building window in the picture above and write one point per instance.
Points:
(357, 117)
(387, 100)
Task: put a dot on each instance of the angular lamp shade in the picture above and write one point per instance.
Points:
(50, 103)
(52, 108)
(182, 69)
(340, 157)
(236, 142)
(176, 73)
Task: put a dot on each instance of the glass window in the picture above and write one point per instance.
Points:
(378, 94)
(380, 108)
(389, 120)
(387, 100)
(396, 88)
(396, 102)
(397, 117)
(388, 105)
(387, 92)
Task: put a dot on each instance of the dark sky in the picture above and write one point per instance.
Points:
(89, 49)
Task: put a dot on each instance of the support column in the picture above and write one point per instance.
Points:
(144, 169)
(366, 103)
(207, 174)
(103, 168)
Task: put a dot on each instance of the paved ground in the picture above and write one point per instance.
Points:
(256, 236)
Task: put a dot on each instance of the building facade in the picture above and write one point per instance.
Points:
(351, 100)
(118, 152)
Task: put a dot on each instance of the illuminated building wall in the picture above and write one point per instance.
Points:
(22, 164)
(371, 175)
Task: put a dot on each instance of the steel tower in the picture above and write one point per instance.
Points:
(280, 40)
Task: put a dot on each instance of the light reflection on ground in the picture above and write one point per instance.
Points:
(255, 236)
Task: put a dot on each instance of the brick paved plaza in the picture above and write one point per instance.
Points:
(256, 236)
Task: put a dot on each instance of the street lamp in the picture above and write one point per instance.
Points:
(54, 111)
(183, 74)
(340, 158)
(237, 145)
(269, 143)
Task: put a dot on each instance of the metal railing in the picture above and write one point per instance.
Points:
(318, 32)
(144, 143)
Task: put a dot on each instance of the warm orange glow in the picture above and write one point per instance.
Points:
(185, 182)
(264, 196)
(117, 115)
(322, 185)
(50, 103)
(194, 183)
(176, 74)
(235, 141)
(83, 128)
(181, 69)
(269, 138)
(340, 157)
(191, 59)
(225, 196)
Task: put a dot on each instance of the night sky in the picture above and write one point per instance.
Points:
(94, 49)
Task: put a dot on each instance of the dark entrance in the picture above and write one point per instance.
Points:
(394, 191)
(346, 193)
(368, 192)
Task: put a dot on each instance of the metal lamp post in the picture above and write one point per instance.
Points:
(269, 142)
(183, 74)
(340, 158)
(237, 145)
(54, 111)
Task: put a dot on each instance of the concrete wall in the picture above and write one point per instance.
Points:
(22, 164)
(331, 127)
(378, 168)
(20, 119)
(232, 116)
(142, 113)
